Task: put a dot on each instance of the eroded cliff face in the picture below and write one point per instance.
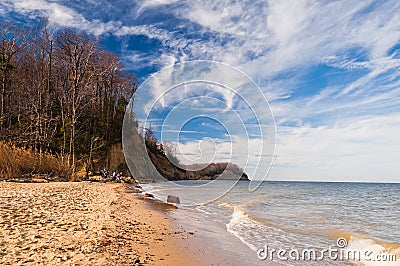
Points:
(221, 171)
(147, 161)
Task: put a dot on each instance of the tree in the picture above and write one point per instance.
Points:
(75, 54)
(8, 49)
(60, 93)
(36, 78)
(170, 152)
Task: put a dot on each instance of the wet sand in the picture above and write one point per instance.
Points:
(88, 223)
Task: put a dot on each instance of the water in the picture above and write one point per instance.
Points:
(295, 216)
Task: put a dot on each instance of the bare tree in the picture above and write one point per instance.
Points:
(35, 75)
(75, 54)
(8, 49)
(60, 93)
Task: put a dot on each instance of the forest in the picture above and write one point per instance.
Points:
(61, 94)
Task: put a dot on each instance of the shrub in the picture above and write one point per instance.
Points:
(17, 162)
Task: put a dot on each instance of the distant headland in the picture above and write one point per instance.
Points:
(172, 171)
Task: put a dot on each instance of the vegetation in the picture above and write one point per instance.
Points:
(19, 162)
(61, 94)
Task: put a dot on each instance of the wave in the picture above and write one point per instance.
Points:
(374, 252)
(239, 225)
(249, 230)
(367, 251)
(226, 205)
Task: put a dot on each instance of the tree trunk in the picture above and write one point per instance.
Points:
(3, 92)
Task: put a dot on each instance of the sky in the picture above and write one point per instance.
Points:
(330, 71)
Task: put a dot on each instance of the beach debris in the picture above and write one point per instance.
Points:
(39, 180)
(173, 199)
(128, 180)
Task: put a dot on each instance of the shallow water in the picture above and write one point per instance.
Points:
(295, 216)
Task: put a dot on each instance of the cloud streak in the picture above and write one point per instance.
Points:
(330, 69)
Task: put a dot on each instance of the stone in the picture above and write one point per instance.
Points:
(148, 195)
(173, 199)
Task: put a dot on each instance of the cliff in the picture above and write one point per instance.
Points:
(222, 171)
(147, 161)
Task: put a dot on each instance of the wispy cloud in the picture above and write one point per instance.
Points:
(353, 151)
(327, 67)
(144, 4)
(59, 15)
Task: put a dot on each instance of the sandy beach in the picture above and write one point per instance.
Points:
(87, 223)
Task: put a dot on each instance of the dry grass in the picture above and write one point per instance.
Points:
(16, 162)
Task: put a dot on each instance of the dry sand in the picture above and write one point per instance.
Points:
(86, 224)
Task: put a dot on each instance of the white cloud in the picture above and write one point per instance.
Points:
(153, 3)
(147, 30)
(378, 67)
(265, 37)
(203, 151)
(344, 130)
(361, 150)
(344, 62)
(60, 15)
(274, 36)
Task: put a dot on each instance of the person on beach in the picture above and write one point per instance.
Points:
(119, 177)
(106, 173)
(114, 175)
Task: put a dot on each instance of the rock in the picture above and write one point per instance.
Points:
(173, 199)
(147, 196)
(128, 180)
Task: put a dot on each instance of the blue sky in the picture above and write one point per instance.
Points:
(329, 69)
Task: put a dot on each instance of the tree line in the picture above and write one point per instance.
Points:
(61, 91)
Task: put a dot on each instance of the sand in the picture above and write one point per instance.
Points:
(86, 223)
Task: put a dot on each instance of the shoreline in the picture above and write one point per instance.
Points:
(212, 241)
(200, 244)
(89, 223)
(207, 242)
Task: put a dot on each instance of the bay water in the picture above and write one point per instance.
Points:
(321, 223)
